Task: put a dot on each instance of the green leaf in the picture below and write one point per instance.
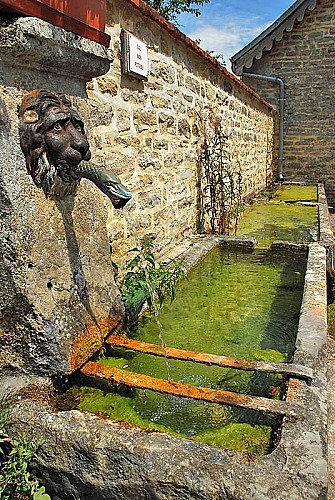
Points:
(133, 263)
(41, 495)
(115, 266)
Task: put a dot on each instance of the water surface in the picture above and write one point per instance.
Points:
(240, 304)
(290, 215)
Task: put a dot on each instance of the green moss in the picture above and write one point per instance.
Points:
(277, 220)
(115, 406)
(115, 362)
(269, 355)
(295, 193)
(240, 437)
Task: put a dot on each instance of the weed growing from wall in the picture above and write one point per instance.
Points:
(16, 481)
(222, 179)
(148, 281)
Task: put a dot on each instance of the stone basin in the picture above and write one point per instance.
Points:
(87, 456)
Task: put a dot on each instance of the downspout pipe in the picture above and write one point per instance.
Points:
(280, 82)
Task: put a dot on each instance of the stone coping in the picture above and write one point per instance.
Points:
(31, 42)
(87, 456)
(326, 235)
(148, 11)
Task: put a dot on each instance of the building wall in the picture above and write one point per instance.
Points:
(304, 59)
(149, 132)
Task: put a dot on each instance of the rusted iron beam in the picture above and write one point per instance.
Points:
(138, 381)
(297, 371)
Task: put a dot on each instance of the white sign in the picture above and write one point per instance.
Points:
(134, 55)
(138, 56)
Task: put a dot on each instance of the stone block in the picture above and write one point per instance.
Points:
(107, 86)
(100, 114)
(58, 299)
(184, 128)
(123, 121)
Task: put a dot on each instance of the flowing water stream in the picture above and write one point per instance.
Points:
(153, 294)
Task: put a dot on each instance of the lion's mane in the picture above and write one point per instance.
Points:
(31, 129)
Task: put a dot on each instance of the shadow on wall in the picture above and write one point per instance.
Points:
(65, 207)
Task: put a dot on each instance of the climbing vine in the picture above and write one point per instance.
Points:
(222, 178)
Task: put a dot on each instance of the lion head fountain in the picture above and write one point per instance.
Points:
(57, 152)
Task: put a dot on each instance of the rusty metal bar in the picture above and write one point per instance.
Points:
(131, 379)
(297, 371)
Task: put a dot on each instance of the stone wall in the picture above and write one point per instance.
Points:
(58, 299)
(149, 132)
(304, 59)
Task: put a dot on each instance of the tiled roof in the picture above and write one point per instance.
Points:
(244, 59)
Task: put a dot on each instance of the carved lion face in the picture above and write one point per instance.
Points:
(52, 138)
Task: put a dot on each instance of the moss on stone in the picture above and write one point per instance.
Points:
(281, 219)
(240, 437)
(295, 193)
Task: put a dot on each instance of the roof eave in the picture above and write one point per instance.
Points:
(264, 42)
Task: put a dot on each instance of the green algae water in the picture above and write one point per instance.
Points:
(290, 215)
(236, 303)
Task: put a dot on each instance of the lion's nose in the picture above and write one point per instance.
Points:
(79, 141)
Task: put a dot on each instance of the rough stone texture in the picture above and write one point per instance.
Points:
(304, 59)
(58, 298)
(331, 416)
(88, 457)
(34, 43)
(152, 131)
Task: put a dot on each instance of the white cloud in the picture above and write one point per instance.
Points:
(229, 38)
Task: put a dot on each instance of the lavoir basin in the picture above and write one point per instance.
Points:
(239, 303)
(128, 437)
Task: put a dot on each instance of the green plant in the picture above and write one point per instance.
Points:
(222, 178)
(16, 481)
(219, 57)
(147, 280)
(171, 8)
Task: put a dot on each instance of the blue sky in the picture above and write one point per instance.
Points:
(225, 26)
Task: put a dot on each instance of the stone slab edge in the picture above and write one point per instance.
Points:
(52, 47)
(326, 236)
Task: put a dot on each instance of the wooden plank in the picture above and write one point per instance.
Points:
(131, 379)
(297, 371)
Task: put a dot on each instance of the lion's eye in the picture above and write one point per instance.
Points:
(57, 126)
(78, 127)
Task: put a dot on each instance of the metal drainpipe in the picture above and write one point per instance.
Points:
(281, 84)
